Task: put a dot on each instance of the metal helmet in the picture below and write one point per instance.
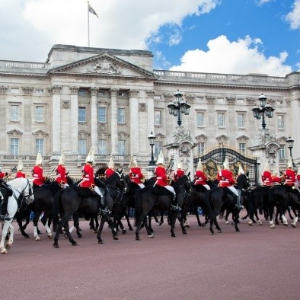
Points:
(62, 159)
(241, 170)
(226, 163)
(111, 164)
(179, 165)
(199, 166)
(20, 165)
(90, 156)
(133, 162)
(160, 159)
(39, 159)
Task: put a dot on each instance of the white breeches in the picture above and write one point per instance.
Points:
(170, 188)
(233, 189)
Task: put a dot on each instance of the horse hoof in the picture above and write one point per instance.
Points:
(150, 235)
(226, 222)
(8, 246)
(184, 232)
(124, 231)
(55, 246)
(137, 239)
(250, 223)
(49, 236)
(272, 226)
(115, 238)
(259, 222)
(130, 229)
(74, 244)
(4, 251)
(293, 225)
(37, 238)
(286, 224)
(100, 242)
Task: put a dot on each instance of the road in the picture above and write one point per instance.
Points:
(255, 263)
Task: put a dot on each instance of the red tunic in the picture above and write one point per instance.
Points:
(2, 175)
(61, 176)
(38, 177)
(225, 178)
(276, 179)
(200, 178)
(298, 177)
(136, 175)
(290, 177)
(109, 172)
(88, 176)
(161, 175)
(20, 174)
(179, 173)
(266, 178)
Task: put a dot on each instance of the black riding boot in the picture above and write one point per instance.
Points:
(239, 205)
(4, 206)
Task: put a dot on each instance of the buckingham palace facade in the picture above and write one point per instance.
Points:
(111, 100)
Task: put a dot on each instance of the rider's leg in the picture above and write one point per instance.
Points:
(97, 190)
(238, 195)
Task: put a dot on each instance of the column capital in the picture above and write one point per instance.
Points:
(27, 90)
(55, 89)
(133, 93)
(3, 89)
(74, 90)
(94, 91)
(113, 92)
(150, 93)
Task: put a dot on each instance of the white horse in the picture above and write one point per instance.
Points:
(22, 191)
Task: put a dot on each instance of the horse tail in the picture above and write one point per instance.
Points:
(207, 206)
(56, 208)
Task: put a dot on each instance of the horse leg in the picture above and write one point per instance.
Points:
(46, 224)
(64, 222)
(76, 225)
(35, 226)
(172, 219)
(295, 220)
(197, 217)
(7, 227)
(235, 218)
(21, 228)
(128, 221)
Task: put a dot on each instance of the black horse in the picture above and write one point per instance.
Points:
(283, 196)
(221, 199)
(149, 198)
(43, 204)
(74, 200)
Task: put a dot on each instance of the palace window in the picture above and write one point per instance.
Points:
(14, 146)
(201, 148)
(200, 119)
(241, 120)
(39, 114)
(221, 120)
(158, 146)
(281, 153)
(102, 147)
(15, 113)
(121, 147)
(81, 114)
(39, 146)
(157, 117)
(242, 148)
(102, 114)
(280, 121)
(82, 146)
(121, 115)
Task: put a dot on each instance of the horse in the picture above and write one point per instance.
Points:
(43, 203)
(283, 196)
(74, 200)
(221, 199)
(148, 198)
(21, 191)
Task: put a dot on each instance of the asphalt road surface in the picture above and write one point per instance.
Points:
(255, 263)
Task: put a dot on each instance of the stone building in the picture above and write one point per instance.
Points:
(110, 100)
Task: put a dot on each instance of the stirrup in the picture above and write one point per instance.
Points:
(175, 207)
(239, 206)
(5, 218)
(105, 211)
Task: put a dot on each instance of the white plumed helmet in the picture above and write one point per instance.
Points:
(241, 170)
(62, 159)
(20, 165)
(226, 163)
(39, 159)
(90, 156)
(160, 159)
(179, 165)
(133, 162)
(111, 164)
(298, 173)
(199, 166)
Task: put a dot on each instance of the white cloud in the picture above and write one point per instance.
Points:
(294, 16)
(238, 57)
(261, 2)
(122, 24)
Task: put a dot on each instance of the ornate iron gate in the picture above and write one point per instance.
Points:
(213, 160)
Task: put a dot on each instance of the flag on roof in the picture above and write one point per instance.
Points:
(92, 11)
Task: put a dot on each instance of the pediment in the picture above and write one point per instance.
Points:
(103, 65)
(14, 132)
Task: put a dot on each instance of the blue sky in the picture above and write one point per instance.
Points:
(217, 36)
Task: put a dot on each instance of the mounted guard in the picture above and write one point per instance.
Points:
(179, 172)
(200, 176)
(20, 174)
(61, 173)
(111, 168)
(135, 173)
(37, 172)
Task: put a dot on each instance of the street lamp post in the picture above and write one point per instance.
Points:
(264, 108)
(290, 145)
(152, 138)
(178, 107)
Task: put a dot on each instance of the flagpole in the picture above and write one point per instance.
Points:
(88, 24)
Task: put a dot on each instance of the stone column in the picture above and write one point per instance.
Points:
(150, 111)
(114, 122)
(293, 132)
(56, 120)
(94, 120)
(134, 121)
(74, 119)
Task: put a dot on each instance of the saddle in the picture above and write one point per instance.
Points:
(85, 192)
(160, 191)
(199, 188)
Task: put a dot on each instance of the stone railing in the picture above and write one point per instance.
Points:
(6, 64)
